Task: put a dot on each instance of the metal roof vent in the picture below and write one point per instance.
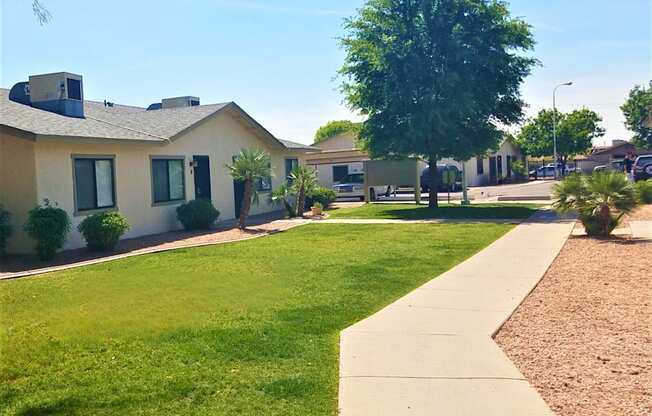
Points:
(59, 92)
(177, 102)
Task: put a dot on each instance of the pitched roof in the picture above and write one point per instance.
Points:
(33, 120)
(298, 146)
(119, 122)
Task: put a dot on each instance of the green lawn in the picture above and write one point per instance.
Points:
(246, 328)
(445, 211)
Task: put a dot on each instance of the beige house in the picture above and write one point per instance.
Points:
(335, 157)
(339, 155)
(90, 156)
(481, 171)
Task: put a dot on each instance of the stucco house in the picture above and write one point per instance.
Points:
(89, 156)
(337, 156)
(604, 155)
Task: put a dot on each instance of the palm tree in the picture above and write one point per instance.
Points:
(303, 181)
(249, 166)
(596, 199)
(283, 194)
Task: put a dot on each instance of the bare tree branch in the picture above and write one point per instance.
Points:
(41, 13)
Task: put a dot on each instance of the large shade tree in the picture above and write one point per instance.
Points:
(435, 77)
(335, 127)
(575, 133)
(249, 166)
(637, 109)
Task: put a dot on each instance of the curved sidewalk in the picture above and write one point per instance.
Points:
(432, 353)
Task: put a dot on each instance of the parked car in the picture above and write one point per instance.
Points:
(643, 167)
(353, 187)
(617, 165)
(441, 187)
(548, 171)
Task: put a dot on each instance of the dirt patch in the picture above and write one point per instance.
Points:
(157, 242)
(583, 337)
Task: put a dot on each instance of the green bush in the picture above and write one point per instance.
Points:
(518, 170)
(198, 214)
(643, 191)
(5, 229)
(49, 226)
(103, 230)
(600, 200)
(325, 196)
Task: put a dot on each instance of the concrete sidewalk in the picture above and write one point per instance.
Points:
(431, 352)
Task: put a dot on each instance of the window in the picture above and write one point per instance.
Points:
(94, 187)
(290, 164)
(479, 165)
(509, 166)
(74, 89)
(265, 183)
(168, 183)
(340, 173)
(499, 162)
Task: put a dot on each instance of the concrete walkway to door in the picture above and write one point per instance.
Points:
(432, 353)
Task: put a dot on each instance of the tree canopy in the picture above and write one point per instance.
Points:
(637, 109)
(335, 127)
(434, 77)
(575, 133)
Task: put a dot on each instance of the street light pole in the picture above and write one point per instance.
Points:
(554, 126)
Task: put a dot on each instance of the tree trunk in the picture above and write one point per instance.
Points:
(432, 192)
(246, 204)
(301, 201)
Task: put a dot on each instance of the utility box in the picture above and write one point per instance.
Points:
(178, 102)
(58, 92)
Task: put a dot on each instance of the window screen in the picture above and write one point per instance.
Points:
(480, 165)
(340, 173)
(94, 186)
(167, 180)
(74, 89)
(290, 164)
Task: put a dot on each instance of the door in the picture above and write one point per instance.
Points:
(492, 170)
(238, 192)
(202, 177)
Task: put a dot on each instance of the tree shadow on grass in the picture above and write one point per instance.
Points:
(459, 212)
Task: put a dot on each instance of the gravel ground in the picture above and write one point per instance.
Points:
(583, 337)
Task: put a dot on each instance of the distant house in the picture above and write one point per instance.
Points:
(492, 168)
(339, 156)
(604, 155)
(91, 156)
(336, 157)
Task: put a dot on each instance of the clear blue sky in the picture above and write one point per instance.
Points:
(278, 58)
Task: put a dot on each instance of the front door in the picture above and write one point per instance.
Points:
(492, 170)
(238, 192)
(202, 177)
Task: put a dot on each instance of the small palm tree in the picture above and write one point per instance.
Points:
(283, 194)
(249, 166)
(303, 181)
(600, 200)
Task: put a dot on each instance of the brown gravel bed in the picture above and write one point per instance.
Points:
(157, 242)
(583, 337)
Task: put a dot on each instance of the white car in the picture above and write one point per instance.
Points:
(353, 187)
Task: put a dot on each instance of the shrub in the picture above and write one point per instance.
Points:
(318, 205)
(283, 194)
(5, 229)
(198, 214)
(324, 196)
(49, 226)
(643, 191)
(596, 199)
(103, 230)
(518, 169)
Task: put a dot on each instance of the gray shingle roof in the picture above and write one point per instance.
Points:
(116, 122)
(26, 118)
(294, 145)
